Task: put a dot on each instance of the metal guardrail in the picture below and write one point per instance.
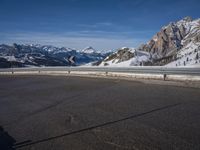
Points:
(141, 70)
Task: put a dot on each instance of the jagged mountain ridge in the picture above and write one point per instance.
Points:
(165, 46)
(43, 55)
(173, 37)
(177, 44)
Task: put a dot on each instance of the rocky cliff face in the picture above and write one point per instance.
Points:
(122, 54)
(166, 46)
(173, 37)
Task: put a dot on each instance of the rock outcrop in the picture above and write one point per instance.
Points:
(172, 38)
(165, 47)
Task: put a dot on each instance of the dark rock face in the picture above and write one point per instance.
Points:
(121, 55)
(165, 41)
(124, 54)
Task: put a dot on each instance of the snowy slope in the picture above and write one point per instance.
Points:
(134, 58)
(188, 55)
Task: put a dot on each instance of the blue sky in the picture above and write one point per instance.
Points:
(103, 24)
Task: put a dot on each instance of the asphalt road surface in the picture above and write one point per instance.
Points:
(74, 113)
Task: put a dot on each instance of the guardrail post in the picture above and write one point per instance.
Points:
(12, 70)
(164, 76)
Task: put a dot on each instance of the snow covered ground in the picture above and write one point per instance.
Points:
(187, 56)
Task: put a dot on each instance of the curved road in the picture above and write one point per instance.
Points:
(49, 112)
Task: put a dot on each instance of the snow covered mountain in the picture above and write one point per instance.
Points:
(89, 50)
(19, 55)
(177, 44)
(127, 57)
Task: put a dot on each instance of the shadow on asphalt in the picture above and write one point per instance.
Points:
(29, 142)
(6, 141)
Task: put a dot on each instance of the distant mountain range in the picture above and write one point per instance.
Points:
(177, 44)
(19, 55)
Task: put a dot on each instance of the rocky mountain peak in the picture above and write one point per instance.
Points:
(89, 50)
(165, 46)
(187, 19)
(172, 37)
